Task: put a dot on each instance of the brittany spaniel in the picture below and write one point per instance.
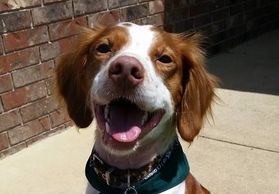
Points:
(141, 84)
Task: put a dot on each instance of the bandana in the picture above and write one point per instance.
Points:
(172, 169)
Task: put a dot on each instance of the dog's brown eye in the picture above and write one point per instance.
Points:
(165, 59)
(103, 48)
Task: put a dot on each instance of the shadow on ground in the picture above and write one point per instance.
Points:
(252, 66)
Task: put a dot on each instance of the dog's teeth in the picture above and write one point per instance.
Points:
(106, 112)
(144, 118)
(107, 127)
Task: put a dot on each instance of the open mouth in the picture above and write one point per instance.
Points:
(124, 121)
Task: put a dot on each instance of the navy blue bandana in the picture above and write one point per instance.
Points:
(172, 169)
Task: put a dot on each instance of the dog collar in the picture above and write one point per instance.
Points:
(160, 175)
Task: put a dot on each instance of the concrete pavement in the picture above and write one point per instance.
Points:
(238, 153)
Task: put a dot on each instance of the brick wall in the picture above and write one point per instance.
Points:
(226, 23)
(34, 34)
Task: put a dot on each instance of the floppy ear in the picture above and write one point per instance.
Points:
(71, 80)
(198, 89)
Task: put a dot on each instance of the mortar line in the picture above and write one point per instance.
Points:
(243, 145)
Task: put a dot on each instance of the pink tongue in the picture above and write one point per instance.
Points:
(125, 121)
(127, 136)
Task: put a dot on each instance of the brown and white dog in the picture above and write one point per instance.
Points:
(141, 84)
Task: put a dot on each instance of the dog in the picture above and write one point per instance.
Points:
(144, 86)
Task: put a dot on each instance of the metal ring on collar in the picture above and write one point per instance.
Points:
(130, 190)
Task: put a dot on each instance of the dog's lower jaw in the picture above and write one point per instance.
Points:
(143, 152)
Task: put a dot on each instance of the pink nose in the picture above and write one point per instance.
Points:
(126, 71)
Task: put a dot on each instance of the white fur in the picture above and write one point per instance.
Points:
(179, 189)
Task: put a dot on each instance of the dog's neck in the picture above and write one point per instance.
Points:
(140, 155)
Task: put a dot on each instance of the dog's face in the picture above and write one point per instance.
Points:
(139, 82)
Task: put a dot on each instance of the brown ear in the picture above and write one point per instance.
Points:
(198, 89)
(71, 80)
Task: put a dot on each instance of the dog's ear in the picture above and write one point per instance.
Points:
(198, 88)
(71, 83)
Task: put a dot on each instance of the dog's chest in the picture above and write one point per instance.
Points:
(179, 189)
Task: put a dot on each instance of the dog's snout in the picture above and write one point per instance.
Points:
(126, 69)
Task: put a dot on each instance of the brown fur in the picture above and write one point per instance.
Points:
(193, 186)
(76, 69)
(198, 87)
(192, 88)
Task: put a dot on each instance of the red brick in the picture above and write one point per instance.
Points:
(12, 150)
(88, 6)
(120, 3)
(36, 139)
(11, 5)
(38, 109)
(1, 46)
(15, 21)
(32, 74)
(67, 44)
(51, 1)
(9, 120)
(52, 13)
(5, 83)
(49, 51)
(108, 17)
(19, 59)
(134, 12)
(50, 85)
(69, 124)
(156, 20)
(4, 141)
(156, 6)
(57, 130)
(1, 106)
(58, 117)
(26, 131)
(66, 28)
(25, 38)
(45, 121)
(43, 135)
(24, 95)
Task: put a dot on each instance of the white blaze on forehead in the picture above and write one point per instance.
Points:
(141, 39)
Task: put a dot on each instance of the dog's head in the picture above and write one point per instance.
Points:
(138, 82)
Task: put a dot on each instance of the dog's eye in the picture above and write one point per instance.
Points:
(165, 59)
(103, 48)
